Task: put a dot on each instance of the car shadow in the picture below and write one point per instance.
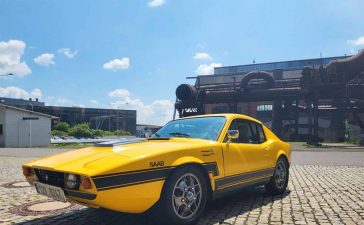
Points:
(223, 210)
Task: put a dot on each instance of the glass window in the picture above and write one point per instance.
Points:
(260, 133)
(249, 132)
(208, 128)
(264, 108)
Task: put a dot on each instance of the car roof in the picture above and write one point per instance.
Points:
(227, 115)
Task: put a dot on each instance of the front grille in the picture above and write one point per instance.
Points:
(50, 177)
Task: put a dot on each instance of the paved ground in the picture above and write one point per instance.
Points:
(328, 158)
(317, 194)
(31, 152)
(300, 155)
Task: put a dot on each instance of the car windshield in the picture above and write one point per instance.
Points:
(207, 128)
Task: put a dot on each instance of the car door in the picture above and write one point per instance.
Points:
(248, 153)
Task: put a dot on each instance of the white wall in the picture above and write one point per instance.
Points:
(2, 121)
(26, 133)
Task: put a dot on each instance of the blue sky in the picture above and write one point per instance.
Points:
(133, 54)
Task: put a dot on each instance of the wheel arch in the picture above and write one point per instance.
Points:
(282, 154)
(199, 164)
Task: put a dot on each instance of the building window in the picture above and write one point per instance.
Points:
(1, 129)
(264, 108)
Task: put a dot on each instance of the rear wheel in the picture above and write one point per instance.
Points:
(184, 197)
(278, 183)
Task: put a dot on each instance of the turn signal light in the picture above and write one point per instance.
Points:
(27, 171)
(86, 183)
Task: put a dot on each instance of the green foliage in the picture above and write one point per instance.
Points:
(80, 130)
(62, 126)
(121, 133)
(108, 133)
(83, 130)
(97, 133)
(58, 133)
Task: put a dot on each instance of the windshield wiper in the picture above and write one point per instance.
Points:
(178, 134)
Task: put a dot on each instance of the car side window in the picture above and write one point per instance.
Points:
(249, 132)
(261, 134)
(245, 133)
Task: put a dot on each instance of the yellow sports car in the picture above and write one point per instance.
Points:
(186, 163)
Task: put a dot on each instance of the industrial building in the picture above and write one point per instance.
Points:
(310, 100)
(24, 128)
(97, 118)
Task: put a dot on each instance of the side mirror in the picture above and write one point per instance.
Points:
(232, 134)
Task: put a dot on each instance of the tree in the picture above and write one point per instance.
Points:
(80, 130)
(121, 133)
(98, 133)
(62, 126)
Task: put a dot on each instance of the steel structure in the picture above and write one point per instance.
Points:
(335, 89)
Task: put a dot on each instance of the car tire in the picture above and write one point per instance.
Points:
(183, 198)
(279, 181)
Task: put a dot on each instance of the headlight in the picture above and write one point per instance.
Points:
(71, 181)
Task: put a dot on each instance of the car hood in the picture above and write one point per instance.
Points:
(96, 160)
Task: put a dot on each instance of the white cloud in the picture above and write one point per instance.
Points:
(94, 102)
(121, 93)
(10, 58)
(16, 92)
(158, 112)
(117, 64)
(156, 3)
(68, 53)
(357, 42)
(202, 56)
(45, 59)
(205, 69)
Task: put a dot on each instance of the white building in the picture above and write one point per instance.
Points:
(24, 128)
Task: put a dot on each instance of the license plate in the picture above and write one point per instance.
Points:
(51, 191)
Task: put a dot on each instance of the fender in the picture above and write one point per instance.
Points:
(280, 153)
(211, 172)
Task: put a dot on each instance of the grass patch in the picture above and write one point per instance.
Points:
(71, 145)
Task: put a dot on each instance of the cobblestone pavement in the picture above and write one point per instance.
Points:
(316, 195)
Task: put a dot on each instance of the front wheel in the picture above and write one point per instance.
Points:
(184, 197)
(278, 183)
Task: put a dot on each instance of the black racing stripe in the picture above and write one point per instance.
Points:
(242, 184)
(123, 179)
(212, 167)
(129, 172)
(78, 194)
(243, 176)
(131, 178)
(130, 184)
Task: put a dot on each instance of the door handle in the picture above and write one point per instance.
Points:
(265, 148)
